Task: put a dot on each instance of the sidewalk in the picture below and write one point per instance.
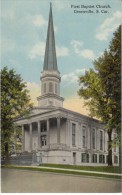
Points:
(74, 170)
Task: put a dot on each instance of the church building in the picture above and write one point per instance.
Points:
(58, 135)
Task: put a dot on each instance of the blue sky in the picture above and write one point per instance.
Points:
(80, 38)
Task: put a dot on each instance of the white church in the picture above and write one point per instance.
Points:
(58, 135)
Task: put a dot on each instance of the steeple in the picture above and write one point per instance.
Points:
(50, 61)
(50, 76)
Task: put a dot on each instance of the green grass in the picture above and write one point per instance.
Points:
(86, 168)
(61, 171)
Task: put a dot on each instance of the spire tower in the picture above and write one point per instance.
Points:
(50, 77)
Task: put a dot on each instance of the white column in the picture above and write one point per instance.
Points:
(68, 132)
(48, 133)
(87, 139)
(58, 130)
(104, 141)
(39, 134)
(30, 136)
(97, 158)
(98, 139)
(23, 139)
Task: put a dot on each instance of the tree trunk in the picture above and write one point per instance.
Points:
(6, 153)
(109, 148)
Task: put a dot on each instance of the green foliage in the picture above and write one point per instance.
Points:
(101, 87)
(15, 101)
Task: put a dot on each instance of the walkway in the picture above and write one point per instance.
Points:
(25, 181)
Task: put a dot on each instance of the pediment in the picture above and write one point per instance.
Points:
(34, 111)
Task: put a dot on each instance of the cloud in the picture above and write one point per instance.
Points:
(34, 91)
(109, 25)
(77, 45)
(76, 104)
(72, 77)
(86, 53)
(39, 20)
(62, 51)
(39, 48)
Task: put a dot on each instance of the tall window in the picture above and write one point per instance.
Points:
(101, 140)
(73, 134)
(43, 126)
(44, 87)
(56, 88)
(94, 158)
(115, 143)
(43, 140)
(84, 157)
(115, 159)
(101, 158)
(93, 138)
(84, 136)
(50, 87)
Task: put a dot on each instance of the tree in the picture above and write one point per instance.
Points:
(101, 87)
(15, 100)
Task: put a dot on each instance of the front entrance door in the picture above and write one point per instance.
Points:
(74, 158)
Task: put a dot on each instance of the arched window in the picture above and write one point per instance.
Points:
(50, 87)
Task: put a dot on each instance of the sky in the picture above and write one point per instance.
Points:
(80, 36)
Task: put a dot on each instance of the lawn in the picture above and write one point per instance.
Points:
(38, 168)
(112, 169)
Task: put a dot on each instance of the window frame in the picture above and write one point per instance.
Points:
(93, 138)
(101, 158)
(45, 86)
(84, 129)
(43, 140)
(101, 139)
(94, 158)
(73, 134)
(43, 126)
(85, 157)
(50, 87)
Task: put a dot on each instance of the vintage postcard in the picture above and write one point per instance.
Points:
(61, 96)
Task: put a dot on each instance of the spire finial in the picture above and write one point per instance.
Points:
(50, 5)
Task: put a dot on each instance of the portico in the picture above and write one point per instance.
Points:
(43, 134)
